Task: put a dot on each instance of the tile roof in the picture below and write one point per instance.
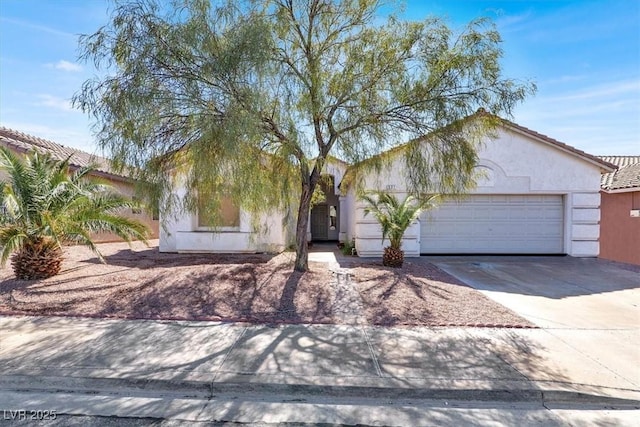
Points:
(627, 175)
(23, 142)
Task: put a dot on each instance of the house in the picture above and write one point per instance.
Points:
(23, 143)
(620, 210)
(536, 196)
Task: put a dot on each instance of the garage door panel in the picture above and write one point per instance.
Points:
(462, 215)
(495, 224)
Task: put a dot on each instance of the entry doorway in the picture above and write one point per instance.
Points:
(325, 224)
(319, 225)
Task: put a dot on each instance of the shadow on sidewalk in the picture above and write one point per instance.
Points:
(315, 355)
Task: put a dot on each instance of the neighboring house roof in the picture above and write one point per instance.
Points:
(626, 177)
(25, 143)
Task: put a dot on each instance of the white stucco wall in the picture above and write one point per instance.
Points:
(180, 233)
(337, 169)
(349, 201)
(515, 163)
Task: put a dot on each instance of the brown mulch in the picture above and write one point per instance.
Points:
(142, 283)
(422, 294)
(145, 284)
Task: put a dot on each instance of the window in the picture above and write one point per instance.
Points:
(229, 214)
(333, 213)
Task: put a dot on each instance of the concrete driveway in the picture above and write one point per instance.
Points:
(588, 305)
(554, 292)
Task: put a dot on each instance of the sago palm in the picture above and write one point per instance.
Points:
(394, 217)
(45, 205)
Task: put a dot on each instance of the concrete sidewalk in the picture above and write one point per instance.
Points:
(580, 368)
(206, 359)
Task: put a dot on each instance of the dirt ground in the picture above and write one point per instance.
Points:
(142, 283)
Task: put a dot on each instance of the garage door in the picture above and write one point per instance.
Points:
(495, 224)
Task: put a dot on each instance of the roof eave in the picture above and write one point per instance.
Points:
(620, 190)
(97, 172)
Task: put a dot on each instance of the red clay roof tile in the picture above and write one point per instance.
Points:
(23, 142)
(627, 175)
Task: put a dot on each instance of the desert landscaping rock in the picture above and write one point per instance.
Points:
(139, 282)
(422, 294)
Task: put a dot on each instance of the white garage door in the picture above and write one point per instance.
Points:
(495, 224)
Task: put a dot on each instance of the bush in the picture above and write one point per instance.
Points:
(348, 247)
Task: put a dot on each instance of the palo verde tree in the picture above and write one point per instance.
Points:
(249, 98)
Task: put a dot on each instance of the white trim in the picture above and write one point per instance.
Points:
(621, 190)
(209, 229)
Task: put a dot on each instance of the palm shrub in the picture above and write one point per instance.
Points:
(394, 217)
(46, 205)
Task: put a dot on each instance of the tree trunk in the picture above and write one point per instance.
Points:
(38, 260)
(302, 248)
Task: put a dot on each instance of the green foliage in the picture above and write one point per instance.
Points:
(318, 196)
(393, 215)
(347, 247)
(240, 95)
(46, 204)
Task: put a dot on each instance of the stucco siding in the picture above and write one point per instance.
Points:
(168, 241)
(271, 237)
(336, 169)
(144, 216)
(585, 215)
(584, 231)
(546, 168)
(179, 232)
(584, 248)
(620, 232)
(586, 200)
(350, 211)
(510, 164)
(126, 189)
(513, 164)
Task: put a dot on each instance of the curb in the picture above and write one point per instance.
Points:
(259, 322)
(298, 393)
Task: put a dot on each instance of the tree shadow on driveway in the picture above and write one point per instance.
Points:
(549, 277)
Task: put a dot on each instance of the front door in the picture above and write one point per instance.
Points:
(319, 223)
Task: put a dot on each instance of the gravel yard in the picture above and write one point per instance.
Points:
(422, 294)
(139, 282)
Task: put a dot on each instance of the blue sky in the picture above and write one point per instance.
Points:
(583, 55)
